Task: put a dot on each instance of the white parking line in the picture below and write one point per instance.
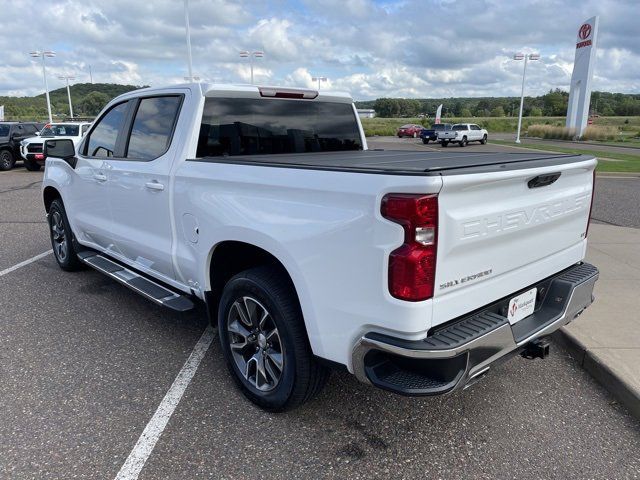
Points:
(26, 262)
(147, 441)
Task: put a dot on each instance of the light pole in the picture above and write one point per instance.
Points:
(251, 55)
(525, 57)
(67, 78)
(43, 54)
(319, 79)
(186, 23)
(90, 75)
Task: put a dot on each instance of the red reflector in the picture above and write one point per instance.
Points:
(412, 267)
(39, 156)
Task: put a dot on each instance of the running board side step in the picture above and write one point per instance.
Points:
(138, 283)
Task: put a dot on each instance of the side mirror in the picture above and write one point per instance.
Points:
(63, 149)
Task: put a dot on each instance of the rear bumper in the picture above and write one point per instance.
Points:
(456, 354)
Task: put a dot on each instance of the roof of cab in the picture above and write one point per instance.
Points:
(237, 90)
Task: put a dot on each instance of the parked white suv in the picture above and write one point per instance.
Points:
(31, 148)
(462, 134)
(415, 271)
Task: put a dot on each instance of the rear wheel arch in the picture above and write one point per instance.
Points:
(231, 257)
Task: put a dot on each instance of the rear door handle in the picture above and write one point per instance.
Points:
(154, 185)
(99, 177)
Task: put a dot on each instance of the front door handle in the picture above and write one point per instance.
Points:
(154, 185)
(100, 177)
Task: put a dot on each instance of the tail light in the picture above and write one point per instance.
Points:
(412, 267)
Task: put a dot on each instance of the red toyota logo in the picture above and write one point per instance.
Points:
(585, 31)
(514, 307)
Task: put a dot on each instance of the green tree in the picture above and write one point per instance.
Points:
(93, 102)
(497, 111)
(535, 112)
(465, 112)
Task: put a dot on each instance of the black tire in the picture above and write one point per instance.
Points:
(444, 143)
(399, 136)
(32, 165)
(484, 139)
(425, 141)
(301, 376)
(6, 160)
(62, 240)
(463, 142)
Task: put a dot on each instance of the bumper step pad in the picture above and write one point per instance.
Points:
(137, 282)
(457, 353)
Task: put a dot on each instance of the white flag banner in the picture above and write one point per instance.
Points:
(1, 113)
(438, 113)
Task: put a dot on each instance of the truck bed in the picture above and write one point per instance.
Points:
(402, 162)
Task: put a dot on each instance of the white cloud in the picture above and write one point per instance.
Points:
(415, 48)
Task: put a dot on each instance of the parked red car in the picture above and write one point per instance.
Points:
(409, 130)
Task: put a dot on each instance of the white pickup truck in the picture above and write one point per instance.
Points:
(31, 148)
(462, 134)
(415, 271)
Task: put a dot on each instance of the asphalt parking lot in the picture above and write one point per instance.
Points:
(84, 364)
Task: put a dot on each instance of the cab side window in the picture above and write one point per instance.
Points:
(153, 127)
(102, 140)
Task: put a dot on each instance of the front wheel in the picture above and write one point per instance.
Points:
(264, 340)
(6, 160)
(484, 139)
(32, 165)
(62, 238)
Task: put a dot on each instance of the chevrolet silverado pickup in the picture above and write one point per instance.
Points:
(415, 271)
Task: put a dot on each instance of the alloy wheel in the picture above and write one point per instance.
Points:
(255, 343)
(60, 244)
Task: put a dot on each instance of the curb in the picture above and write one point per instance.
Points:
(618, 174)
(621, 390)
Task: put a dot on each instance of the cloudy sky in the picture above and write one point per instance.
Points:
(371, 48)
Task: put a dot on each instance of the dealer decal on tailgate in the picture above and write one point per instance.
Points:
(522, 306)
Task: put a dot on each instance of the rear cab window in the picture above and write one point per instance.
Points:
(257, 126)
(153, 127)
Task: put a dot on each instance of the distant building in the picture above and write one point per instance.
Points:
(366, 112)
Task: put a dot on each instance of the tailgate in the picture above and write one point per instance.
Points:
(502, 231)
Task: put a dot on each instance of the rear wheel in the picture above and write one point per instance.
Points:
(31, 165)
(6, 160)
(484, 139)
(425, 141)
(444, 143)
(463, 142)
(264, 341)
(62, 238)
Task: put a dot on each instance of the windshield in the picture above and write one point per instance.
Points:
(251, 126)
(4, 130)
(60, 130)
(459, 127)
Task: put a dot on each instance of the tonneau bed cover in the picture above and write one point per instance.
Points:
(400, 162)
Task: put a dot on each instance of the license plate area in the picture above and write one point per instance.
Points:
(521, 306)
